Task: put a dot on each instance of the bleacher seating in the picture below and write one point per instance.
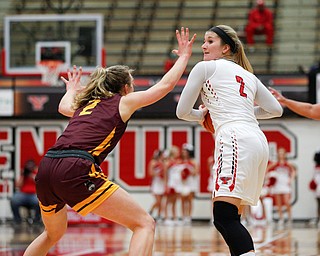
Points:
(140, 33)
(297, 34)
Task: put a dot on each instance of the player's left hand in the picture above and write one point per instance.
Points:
(185, 45)
(204, 111)
(73, 81)
(278, 95)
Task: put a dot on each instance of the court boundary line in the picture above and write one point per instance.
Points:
(259, 246)
(84, 252)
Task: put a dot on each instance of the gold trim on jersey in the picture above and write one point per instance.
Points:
(97, 174)
(106, 143)
(48, 210)
(98, 197)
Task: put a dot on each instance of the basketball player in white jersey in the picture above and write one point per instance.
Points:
(235, 99)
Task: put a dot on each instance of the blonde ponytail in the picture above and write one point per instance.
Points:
(237, 51)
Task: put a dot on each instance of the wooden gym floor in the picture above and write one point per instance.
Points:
(197, 239)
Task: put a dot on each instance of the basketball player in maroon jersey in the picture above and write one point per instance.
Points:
(305, 109)
(70, 173)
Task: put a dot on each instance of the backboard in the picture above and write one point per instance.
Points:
(74, 39)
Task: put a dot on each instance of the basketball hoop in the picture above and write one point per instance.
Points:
(50, 71)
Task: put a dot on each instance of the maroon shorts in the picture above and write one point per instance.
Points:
(74, 181)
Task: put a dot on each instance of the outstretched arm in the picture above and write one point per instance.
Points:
(135, 100)
(73, 87)
(301, 108)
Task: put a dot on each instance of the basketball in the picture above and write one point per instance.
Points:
(207, 123)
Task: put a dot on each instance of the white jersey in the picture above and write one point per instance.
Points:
(241, 150)
(229, 92)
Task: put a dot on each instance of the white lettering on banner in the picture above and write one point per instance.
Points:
(281, 137)
(152, 139)
(204, 145)
(130, 150)
(127, 165)
(137, 145)
(33, 142)
(107, 166)
(5, 150)
(179, 135)
(6, 170)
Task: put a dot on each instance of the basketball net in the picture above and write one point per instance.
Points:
(50, 71)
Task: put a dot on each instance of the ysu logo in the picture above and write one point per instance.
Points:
(37, 102)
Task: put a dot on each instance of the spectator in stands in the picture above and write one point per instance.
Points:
(301, 108)
(168, 64)
(25, 196)
(260, 22)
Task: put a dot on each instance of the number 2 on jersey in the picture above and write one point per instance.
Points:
(88, 109)
(241, 90)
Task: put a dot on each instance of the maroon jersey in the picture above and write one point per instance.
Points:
(95, 128)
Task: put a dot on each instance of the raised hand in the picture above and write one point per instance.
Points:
(184, 44)
(73, 87)
(73, 81)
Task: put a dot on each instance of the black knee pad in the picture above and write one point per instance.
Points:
(227, 221)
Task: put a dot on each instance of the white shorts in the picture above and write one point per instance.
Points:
(281, 188)
(158, 186)
(185, 190)
(195, 184)
(174, 178)
(241, 157)
(187, 186)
